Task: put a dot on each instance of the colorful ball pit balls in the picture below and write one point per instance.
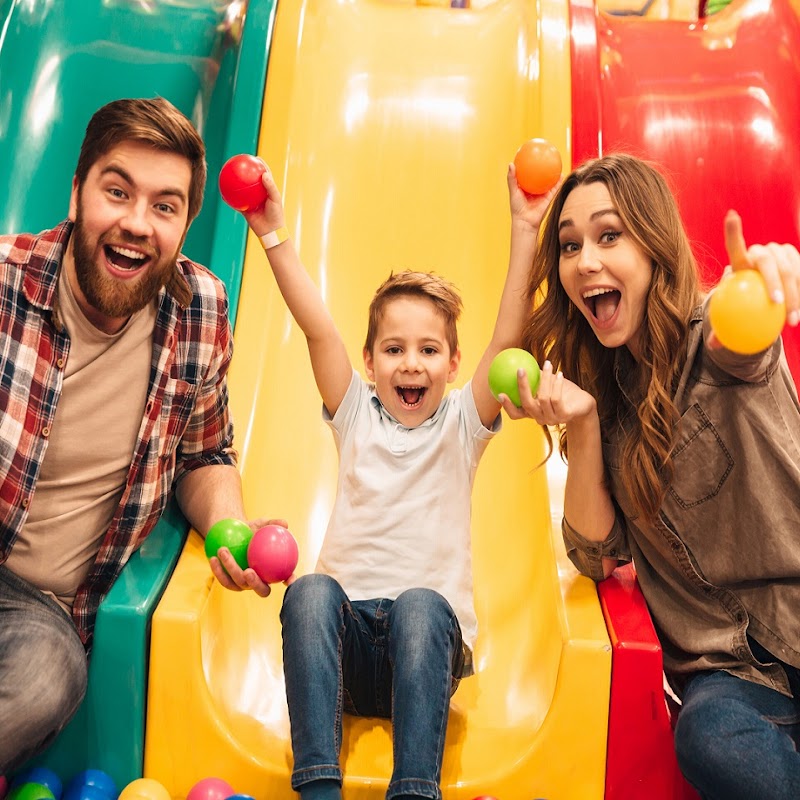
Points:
(503, 373)
(233, 534)
(43, 775)
(145, 789)
(273, 553)
(210, 789)
(30, 791)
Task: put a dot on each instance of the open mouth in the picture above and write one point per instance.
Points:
(410, 396)
(602, 303)
(124, 258)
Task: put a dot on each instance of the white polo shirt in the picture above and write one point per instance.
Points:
(401, 519)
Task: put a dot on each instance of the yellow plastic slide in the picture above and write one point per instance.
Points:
(389, 127)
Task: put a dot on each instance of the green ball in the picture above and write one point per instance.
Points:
(503, 373)
(30, 791)
(233, 534)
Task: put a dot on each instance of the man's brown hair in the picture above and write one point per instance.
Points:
(154, 122)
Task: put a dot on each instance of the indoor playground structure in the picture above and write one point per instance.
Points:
(388, 125)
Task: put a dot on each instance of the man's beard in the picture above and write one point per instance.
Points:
(117, 298)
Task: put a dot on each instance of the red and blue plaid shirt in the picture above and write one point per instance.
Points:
(186, 421)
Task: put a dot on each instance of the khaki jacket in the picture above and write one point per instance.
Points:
(723, 559)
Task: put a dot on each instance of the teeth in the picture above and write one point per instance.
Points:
(134, 254)
(596, 292)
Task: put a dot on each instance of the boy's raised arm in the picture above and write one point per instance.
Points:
(527, 212)
(329, 360)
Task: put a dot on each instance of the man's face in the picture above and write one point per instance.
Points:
(131, 217)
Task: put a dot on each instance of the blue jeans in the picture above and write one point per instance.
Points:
(738, 740)
(43, 670)
(398, 659)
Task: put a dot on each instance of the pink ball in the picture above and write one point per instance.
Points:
(272, 553)
(210, 789)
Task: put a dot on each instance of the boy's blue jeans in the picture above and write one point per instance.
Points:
(738, 740)
(397, 659)
(43, 670)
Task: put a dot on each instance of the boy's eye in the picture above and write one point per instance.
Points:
(393, 350)
(429, 351)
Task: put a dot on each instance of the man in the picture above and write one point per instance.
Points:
(114, 350)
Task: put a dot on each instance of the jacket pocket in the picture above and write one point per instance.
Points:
(701, 462)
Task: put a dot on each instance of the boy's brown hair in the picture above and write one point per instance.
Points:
(154, 122)
(408, 283)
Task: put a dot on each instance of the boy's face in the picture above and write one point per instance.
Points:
(411, 363)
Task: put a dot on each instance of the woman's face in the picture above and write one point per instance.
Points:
(603, 270)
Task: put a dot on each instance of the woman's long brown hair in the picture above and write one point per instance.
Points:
(558, 331)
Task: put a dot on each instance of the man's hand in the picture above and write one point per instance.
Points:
(233, 577)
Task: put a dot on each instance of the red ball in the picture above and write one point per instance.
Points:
(272, 553)
(240, 183)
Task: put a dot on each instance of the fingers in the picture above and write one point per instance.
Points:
(262, 522)
(228, 572)
(734, 242)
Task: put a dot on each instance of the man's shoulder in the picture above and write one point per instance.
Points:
(201, 279)
(21, 248)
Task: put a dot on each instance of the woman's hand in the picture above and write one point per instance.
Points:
(779, 264)
(558, 401)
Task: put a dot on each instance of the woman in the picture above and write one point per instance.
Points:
(682, 456)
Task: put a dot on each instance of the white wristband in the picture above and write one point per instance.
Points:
(274, 237)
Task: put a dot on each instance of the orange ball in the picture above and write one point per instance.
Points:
(742, 315)
(538, 166)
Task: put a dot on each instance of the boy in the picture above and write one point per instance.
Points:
(386, 625)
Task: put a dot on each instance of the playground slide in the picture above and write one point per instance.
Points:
(386, 161)
(59, 62)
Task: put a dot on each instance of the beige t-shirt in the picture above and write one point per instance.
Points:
(90, 450)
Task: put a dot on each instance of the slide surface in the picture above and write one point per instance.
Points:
(389, 128)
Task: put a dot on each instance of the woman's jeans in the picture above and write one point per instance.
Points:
(396, 659)
(738, 740)
(43, 670)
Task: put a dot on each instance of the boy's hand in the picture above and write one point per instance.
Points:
(268, 217)
(527, 209)
(233, 577)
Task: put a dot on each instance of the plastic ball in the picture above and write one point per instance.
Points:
(31, 791)
(538, 166)
(144, 789)
(240, 183)
(96, 780)
(233, 534)
(272, 553)
(210, 789)
(43, 775)
(85, 791)
(742, 315)
(503, 373)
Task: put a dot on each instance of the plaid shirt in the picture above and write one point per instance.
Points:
(186, 422)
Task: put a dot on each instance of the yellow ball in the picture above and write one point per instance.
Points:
(742, 315)
(144, 789)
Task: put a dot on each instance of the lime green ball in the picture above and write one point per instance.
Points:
(30, 791)
(503, 373)
(233, 534)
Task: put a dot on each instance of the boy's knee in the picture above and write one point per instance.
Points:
(422, 610)
(312, 595)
